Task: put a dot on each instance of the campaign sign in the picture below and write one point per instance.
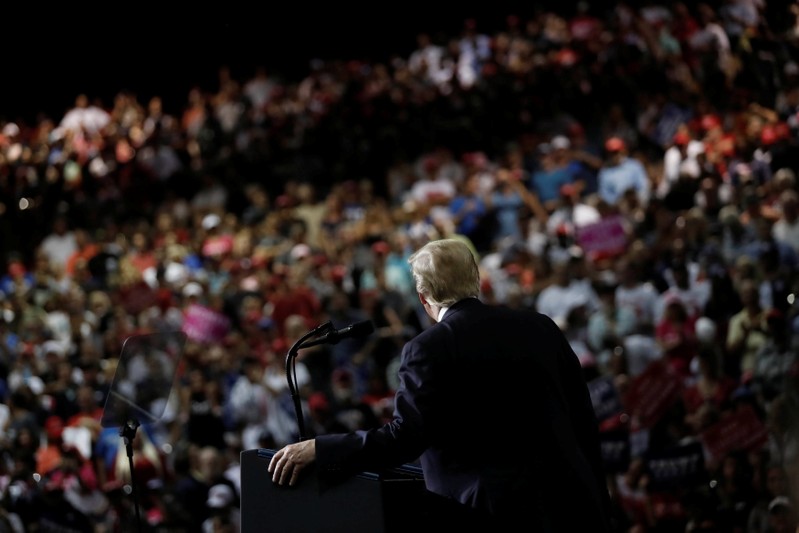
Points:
(202, 324)
(604, 397)
(639, 442)
(681, 466)
(217, 245)
(652, 393)
(615, 450)
(740, 430)
(605, 238)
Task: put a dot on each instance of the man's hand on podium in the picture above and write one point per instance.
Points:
(287, 462)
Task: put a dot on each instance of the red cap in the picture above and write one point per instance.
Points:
(568, 189)
(566, 57)
(710, 121)
(338, 272)
(431, 164)
(16, 269)
(284, 200)
(681, 138)
(768, 135)
(615, 144)
(342, 376)
(318, 402)
(381, 247)
(54, 426)
(279, 345)
(775, 314)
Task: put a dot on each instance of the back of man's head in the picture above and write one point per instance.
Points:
(445, 271)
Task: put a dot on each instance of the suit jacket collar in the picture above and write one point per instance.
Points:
(460, 305)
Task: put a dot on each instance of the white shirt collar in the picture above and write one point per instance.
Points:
(441, 313)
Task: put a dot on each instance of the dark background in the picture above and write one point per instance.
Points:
(48, 62)
(47, 57)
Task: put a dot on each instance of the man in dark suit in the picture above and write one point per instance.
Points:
(494, 404)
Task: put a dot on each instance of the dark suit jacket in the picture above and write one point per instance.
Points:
(495, 403)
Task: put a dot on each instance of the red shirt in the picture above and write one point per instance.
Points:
(693, 398)
(685, 344)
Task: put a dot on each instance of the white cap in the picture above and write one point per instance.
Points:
(219, 496)
(705, 329)
(560, 142)
(211, 221)
(300, 250)
(53, 346)
(11, 130)
(779, 501)
(192, 289)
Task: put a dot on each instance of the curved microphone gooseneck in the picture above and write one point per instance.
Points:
(327, 335)
(291, 373)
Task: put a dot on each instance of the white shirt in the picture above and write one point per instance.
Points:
(59, 248)
(642, 297)
(639, 351)
(557, 301)
(674, 164)
(426, 61)
(572, 217)
(787, 232)
(428, 191)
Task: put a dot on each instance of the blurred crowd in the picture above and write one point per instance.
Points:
(630, 171)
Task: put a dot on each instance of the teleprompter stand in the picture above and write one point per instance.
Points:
(140, 389)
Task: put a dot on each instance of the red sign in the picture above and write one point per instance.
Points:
(605, 238)
(202, 324)
(740, 430)
(218, 245)
(652, 393)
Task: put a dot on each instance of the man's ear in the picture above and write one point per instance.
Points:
(422, 298)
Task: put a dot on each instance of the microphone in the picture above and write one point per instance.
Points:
(331, 336)
(358, 329)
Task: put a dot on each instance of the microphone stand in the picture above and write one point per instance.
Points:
(291, 372)
(128, 433)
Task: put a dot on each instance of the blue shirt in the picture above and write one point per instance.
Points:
(616, 180)
(547, 183)
(507, 208)
(469, 217)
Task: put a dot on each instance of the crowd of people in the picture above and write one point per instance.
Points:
(629, 172)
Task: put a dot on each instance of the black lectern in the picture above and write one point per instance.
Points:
(391, 501)
(395, 500)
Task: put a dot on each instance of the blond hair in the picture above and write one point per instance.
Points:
(445, 271)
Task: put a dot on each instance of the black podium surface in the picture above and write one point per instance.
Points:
(391, 501)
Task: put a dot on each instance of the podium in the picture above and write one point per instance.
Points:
(391, 501)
